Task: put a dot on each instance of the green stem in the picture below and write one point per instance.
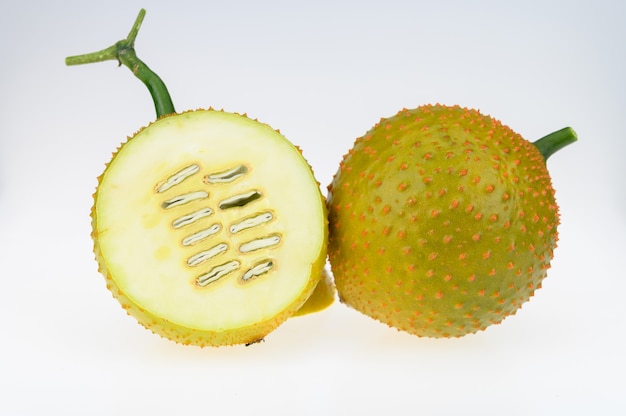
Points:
(553, 142)
(124, 52)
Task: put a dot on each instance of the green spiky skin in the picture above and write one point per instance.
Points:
(443, 221)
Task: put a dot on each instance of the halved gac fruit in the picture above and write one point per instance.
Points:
(210, 228)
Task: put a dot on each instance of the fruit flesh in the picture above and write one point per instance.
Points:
(442, 222)
(199, 227)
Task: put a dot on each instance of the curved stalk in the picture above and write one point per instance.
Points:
(123, 51)
(553, 142)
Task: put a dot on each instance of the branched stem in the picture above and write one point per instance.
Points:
(124, 52)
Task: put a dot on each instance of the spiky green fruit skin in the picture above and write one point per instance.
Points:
(443, 221)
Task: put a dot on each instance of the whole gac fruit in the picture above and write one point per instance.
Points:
(443, 220)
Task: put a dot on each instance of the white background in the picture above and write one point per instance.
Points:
(322, 72)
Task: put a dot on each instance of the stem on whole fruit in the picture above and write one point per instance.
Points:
(124, 52)
(553, 142)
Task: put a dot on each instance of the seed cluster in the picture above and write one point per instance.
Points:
(205, 239)
(442, 222)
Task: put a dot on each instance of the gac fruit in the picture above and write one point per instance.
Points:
(197, 221)
(443, 220)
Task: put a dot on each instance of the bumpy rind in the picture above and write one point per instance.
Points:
(191, 336)
(443, 221)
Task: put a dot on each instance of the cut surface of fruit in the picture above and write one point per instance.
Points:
(443, 221)
(210, 228)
